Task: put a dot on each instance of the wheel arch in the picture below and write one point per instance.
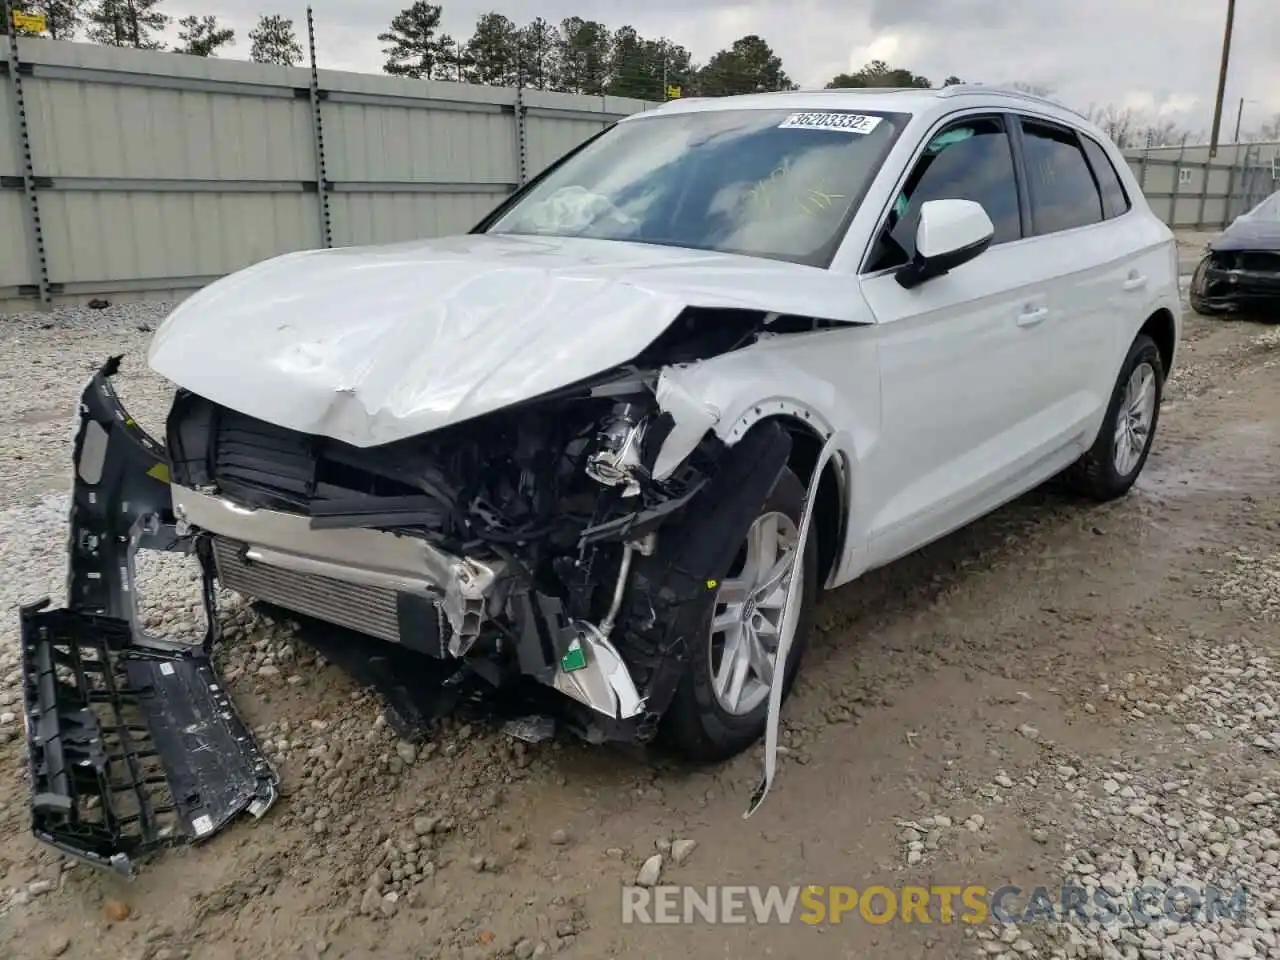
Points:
(831, 505)
(1162, 328)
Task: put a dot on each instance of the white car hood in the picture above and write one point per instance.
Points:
(369, 345)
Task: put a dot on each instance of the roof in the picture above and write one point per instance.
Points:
(913, 100)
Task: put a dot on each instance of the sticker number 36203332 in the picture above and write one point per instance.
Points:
(839, 122)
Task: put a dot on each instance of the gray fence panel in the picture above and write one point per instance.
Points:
(158, 172)
(1190, 190)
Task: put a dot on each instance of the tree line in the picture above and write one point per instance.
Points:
(587, 57)
(136, 23)
(575, 55)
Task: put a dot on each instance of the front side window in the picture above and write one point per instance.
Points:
(769, 183)
(968, 160)
(1063, 193)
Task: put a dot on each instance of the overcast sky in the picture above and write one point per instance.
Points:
(1158, 56)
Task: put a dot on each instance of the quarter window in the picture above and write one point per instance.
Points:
(1114, 200)
(968, 160)
(1063, 192)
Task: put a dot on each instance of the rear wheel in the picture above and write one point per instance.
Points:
(1117, 456)
(722, 703)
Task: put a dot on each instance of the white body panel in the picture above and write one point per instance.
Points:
(953, 396)
(962, 361)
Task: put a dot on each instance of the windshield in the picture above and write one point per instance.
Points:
(767, 183)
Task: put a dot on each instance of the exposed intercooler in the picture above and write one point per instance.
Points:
(366, 609)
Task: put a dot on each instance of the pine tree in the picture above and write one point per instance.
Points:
(537, 42)
(413, 49)
(453, 60)
(582, 57)
(494, 50)
(647, 69)
(877, 73)
(201, 36)
(126, 23)
(748, 66)
(274, 41)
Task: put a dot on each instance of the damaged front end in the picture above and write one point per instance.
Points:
(568, 545)
(531, 543)
(132, 742)
(507, 543)
(1230, 279)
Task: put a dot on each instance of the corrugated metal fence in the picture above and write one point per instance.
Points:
(1188, 188)
(133, 173)
(150, 174)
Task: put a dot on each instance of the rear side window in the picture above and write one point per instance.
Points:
(1063, 192)
(1114, 200)
(971, 159)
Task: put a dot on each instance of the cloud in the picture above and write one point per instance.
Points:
(1161, 55)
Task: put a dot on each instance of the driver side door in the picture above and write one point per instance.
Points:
(962, 356)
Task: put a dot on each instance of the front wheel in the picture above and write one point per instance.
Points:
(722, 703)
(1117, 456)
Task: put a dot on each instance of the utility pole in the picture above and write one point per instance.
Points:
(1239, 117)
(1222, 78)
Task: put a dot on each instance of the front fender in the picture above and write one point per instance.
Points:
(827, 380)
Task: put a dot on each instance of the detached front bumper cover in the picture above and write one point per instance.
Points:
(132, 742)
(130, 749)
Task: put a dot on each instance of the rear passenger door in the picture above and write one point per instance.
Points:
(1096, 283)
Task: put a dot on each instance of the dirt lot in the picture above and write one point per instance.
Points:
(1059, 694)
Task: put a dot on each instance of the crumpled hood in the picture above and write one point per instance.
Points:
(374, 344)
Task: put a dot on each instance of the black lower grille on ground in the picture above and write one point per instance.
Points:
(130, 749)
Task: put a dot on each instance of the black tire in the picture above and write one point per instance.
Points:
(1095, 475)
(695, 725)
(1195, 293)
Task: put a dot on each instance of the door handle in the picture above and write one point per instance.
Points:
(1030, 317)
(1135, 282)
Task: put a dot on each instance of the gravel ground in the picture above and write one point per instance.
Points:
(1058, 695)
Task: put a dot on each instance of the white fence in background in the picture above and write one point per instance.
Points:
(132, 173)
(1188, 188)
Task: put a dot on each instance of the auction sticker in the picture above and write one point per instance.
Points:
(838, 122)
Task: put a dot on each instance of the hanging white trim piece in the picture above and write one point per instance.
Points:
(788, 629)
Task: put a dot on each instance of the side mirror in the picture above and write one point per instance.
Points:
(949, 233)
